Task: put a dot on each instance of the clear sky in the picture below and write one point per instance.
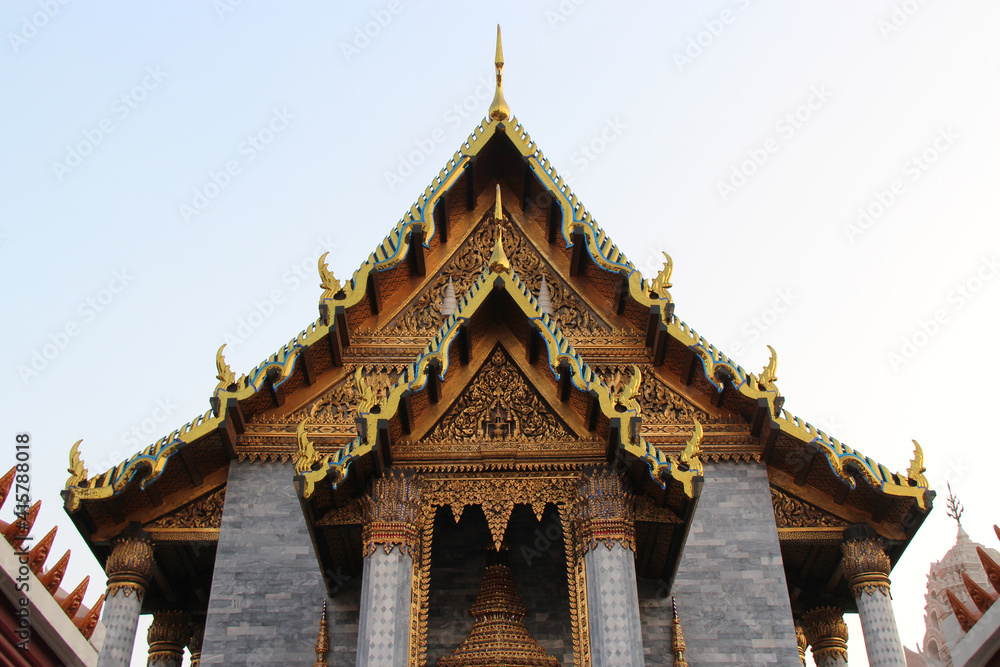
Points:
(823, 174)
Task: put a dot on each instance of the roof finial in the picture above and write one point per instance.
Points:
(678, 645)
(499, 109)
(955, 508)
(498, 260)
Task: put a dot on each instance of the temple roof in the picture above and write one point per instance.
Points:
(638, 314)
(579, 231)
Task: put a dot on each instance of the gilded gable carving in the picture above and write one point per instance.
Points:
(204, 513)
(790, 512)
(424, 315)
(340, 403)
(499, 405)
(660, 404)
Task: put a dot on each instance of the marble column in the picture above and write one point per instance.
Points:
(129, 567)
(826, 632)
(169, 632)
(607, 527)
(866, 567)
(391, 514)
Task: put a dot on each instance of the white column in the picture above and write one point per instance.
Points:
(608, 532)
(867, 567)
(391, 514)
(129, 568)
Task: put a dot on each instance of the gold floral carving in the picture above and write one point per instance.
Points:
(826, 632)
(790, 512)
(866, 566)
(495, 493)
(645, 510)
(499, 405)
(607, 511)
(424, 315)
(129, 567)
(340, 403)
(203, 513)
(169, 632)
(660, 404)
(392, 514)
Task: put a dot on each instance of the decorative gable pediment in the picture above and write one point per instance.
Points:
(500, 410)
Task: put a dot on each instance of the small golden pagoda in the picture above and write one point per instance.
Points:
(498, 635)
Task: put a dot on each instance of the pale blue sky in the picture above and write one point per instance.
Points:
(181, 86)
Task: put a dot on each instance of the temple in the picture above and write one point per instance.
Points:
(963, 627)
(498, 444)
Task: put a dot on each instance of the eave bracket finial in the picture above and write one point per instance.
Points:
(499, 109)
(916, 471)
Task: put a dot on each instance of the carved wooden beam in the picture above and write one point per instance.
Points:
(417, 251)
(374, 293)
(406, 412)
(621, 293)
(154, 495)
(308, 366)
(277, 393)
(441, 218)
(565, 381)
(806, 464)
(193, 469)
(579, 250)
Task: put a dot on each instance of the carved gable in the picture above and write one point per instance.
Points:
(498, 409)
(423, 315)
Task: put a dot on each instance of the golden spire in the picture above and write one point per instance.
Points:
(498, 206)
(678, 645)
(322, 641)
(499, 109)
(498, 260)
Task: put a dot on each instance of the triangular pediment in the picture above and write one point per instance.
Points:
(422, 315)
(501, 409)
